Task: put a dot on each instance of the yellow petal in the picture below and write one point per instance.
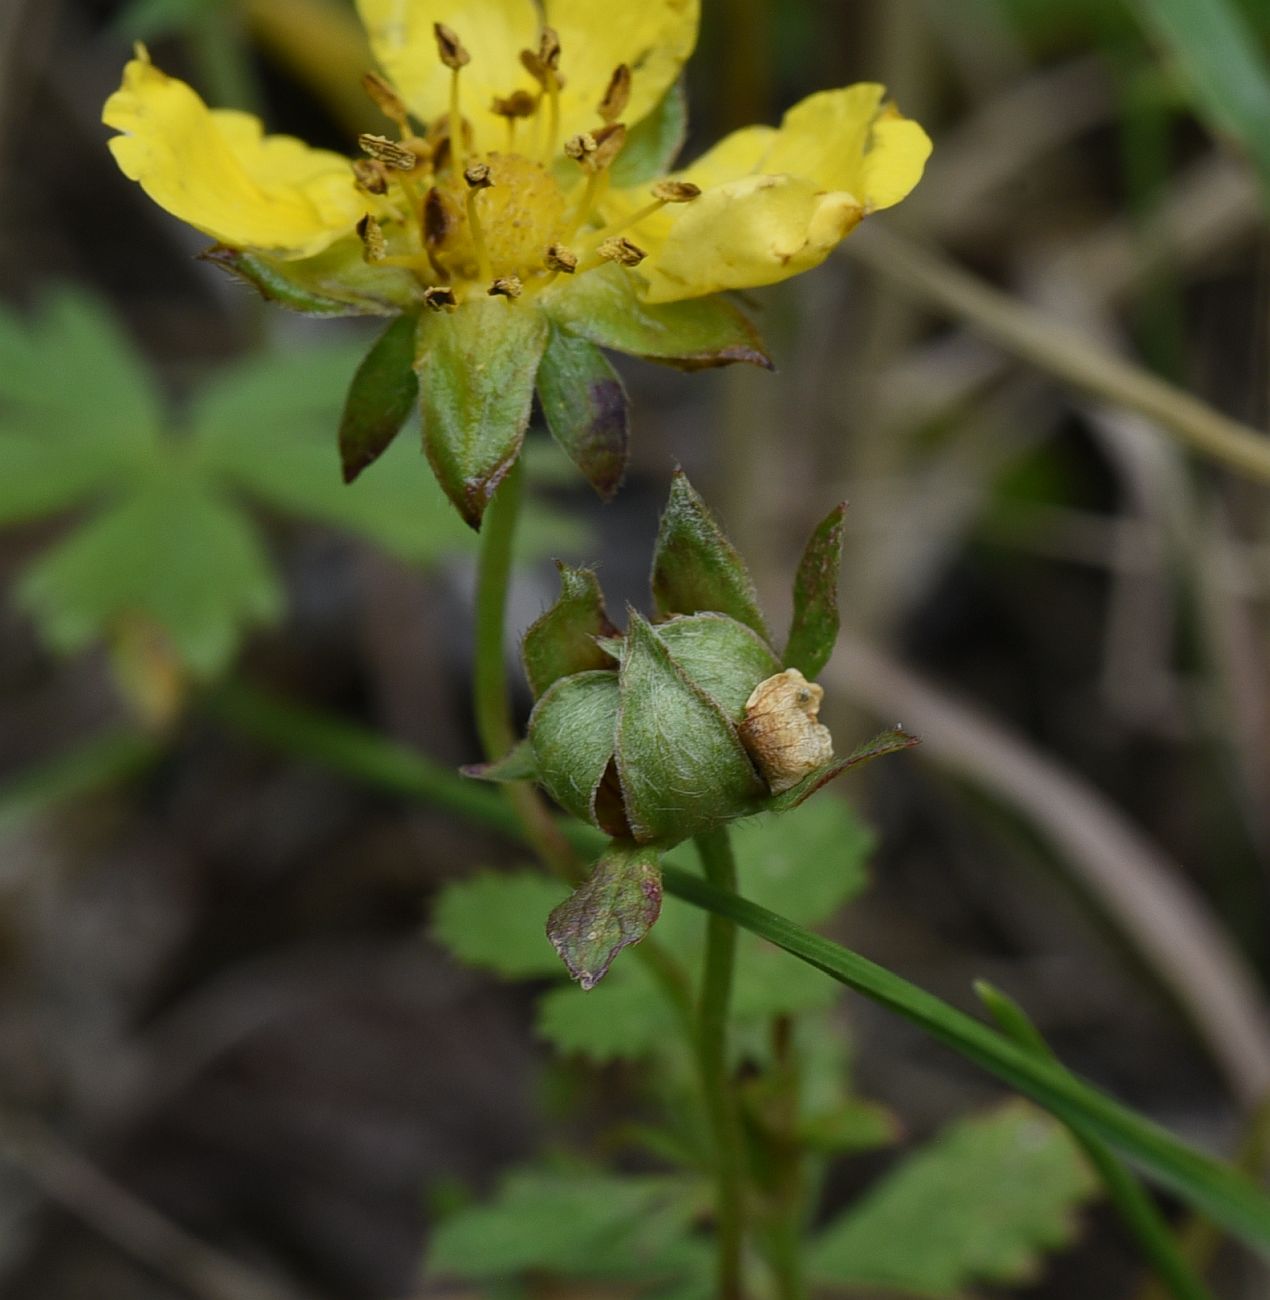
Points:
(845, 140)
(493, 31)
(652, 37)
(219, 172)
(750, 232)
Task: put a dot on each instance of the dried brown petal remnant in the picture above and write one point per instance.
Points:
(781, 732)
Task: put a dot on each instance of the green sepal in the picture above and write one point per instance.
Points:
(696, 568)
(653, 144)
(516, 765)
(813, 630)
(886, 742)
(563, 640)
(604, 306)
(614, 909)
(381, 396)
(586, 409)
(573, 731)
(476, 369)
(682, 766)
(337, 282)
(725, 658)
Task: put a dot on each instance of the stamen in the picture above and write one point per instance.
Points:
(478, 178)
(370, 175)
(392, 155)
(374, 245)
(618, 94)
(560, 259)
(609, 140)
(506, 286)
(440, 220)
(439, 296)
(543, 65)
(454, 55)
(664, 192)
(387, 100)
(620, 250)
(513, 107)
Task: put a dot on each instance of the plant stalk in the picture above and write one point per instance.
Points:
(491, 698)
(715, 851)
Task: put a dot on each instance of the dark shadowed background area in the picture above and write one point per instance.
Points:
(218, 997)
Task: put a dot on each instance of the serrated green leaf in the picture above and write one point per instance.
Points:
(476, 373)
(572, 731)
(653, 145)
(625, 1018)
(173, 553)
(695, 568)
(814, 628)
(979, 1205)
(682, 767)
(725, 658)
(615, 908)
(603, 306)
(586, 409)
(381, 396)
(572, 1225)
(497, 921)
(562, 641)
(336, 282)
(79, 413)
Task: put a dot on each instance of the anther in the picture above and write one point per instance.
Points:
(386, 99)
(439, 296)
(374, 245)
(618, 94)
(620, 249)
(478, 177)
(370, 175)
(581, 148)
(518, 104)
(549, 48)
(559, 258)
(452, 52)
(676, 191)
(506, 286)
(388, 152)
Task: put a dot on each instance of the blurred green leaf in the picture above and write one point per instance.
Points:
(1218, 51)
(625, 1017)
(497, 921)
(149, 20)
(981, 1204)
(173, 553)
(573, 1225)
(384, 391)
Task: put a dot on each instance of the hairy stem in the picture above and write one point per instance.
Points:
(715, 850)
(490, 696)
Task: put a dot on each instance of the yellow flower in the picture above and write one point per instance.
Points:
(518, 197)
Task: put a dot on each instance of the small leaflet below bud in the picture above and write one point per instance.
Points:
(618, 94)
(450, 49)
(614, 909)
(381, 396)
(814, 627)
(676, 191)
(388, 152)
(781, 730)
(887, 742)
(621, 250)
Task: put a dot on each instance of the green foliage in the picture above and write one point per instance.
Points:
(562, 640)
(624, 1018)
(166, 544)
(576, 1224)
(586, 409)
(979, 1205)
(603, 306)
(383, 393)
(616, 907)
(571, 732)
(496, 920)
(476, 373)
(814, 629)
(696, 568)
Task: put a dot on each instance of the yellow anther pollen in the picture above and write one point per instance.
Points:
(581, 148)
(608, 144)
(620, 249)
(370, 175)
(676, 191)
(518, 104)
(559, 258)
(618, 94)
(478, 176)
(386, 99)
(439, 296)
(392, 155)
(451, 51)
(506, 286)
(374, 245)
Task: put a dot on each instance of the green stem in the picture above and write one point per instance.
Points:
(1212, 1186)
(785, 1236)
(490, 696)
(715, 851)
